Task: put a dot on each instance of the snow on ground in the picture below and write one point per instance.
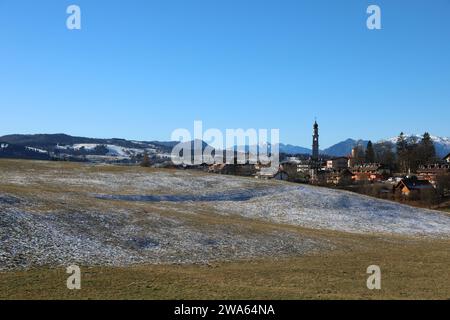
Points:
(280, 202)
(37, 150)
(120, 238)
(66, 215)
(302, 205)
(113, 150)
(324, 208)
(156, 182)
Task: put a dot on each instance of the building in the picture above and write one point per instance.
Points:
(447, 158)
(370, 172)
(314, 164)
(338, 163)
(297, 170)
(272, 173)
(430, 172)
(338, 177)
(357, 156)
(315, 144)
(352, 158)
(304, 166)
(266, 173)
(413, 186)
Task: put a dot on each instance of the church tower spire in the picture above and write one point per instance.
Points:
(315, 144)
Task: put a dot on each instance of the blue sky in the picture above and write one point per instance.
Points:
(140, 69)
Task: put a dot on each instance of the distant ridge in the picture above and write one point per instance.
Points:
(344, 148)
(38, 146)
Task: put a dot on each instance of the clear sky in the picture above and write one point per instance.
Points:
(140, 69)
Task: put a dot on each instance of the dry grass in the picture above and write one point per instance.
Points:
(410, 270)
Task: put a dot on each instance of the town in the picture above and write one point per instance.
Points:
(406, 169)
(411, 173)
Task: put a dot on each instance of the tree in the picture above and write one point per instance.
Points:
(443, 184)
(402, 143)
(145, 160)
(384, 154)
(358, 154)
(370, 153)
(429, 197)
(427, 152)
(100, 149)
(402, 152)
(413, 154)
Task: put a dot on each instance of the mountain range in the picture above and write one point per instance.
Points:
(46, 146)
(344, 148)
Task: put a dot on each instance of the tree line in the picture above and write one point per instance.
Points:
(409, 153)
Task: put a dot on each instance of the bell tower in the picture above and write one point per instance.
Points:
(315, 144)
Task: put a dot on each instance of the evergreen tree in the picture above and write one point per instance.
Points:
(427, 152)
(402, 144)
(413, 154)
(370, 154)
(384, 154)
(402, 152)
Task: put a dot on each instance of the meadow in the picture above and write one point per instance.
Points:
(143, 233)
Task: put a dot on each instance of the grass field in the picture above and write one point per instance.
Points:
(244, 257)
(412, 271)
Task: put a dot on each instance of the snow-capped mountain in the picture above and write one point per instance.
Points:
(441, 144)
(436, 139)
(343, 148)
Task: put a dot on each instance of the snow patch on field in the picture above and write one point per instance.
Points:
(324, 208)
(59, 220)
(123, 238)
